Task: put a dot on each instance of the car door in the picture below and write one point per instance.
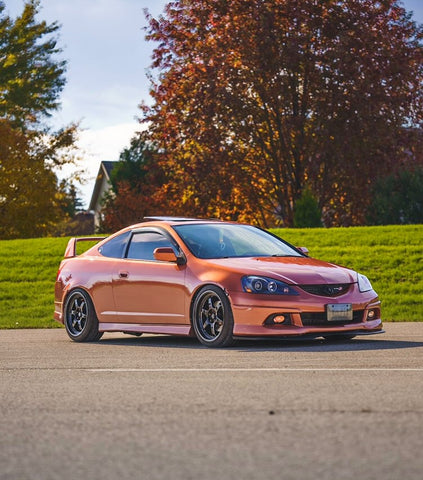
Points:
(147, 291)
(102, 271)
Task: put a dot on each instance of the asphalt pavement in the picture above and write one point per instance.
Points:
(158, 407)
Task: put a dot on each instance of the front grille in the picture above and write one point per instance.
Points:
(320, 319)
(329, 290)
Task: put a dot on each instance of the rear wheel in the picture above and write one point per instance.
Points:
(80, 318)
(212, 317)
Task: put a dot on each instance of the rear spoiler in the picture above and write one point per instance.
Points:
(71, 247)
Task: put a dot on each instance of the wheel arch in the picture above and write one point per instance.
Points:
(80, 316)
(200, 287)
(69, 291)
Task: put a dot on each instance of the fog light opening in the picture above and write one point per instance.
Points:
(278, 319)
(371, 314)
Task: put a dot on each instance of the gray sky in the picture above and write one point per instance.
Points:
(103, 42)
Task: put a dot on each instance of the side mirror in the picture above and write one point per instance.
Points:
(303, 250)
(166, 254)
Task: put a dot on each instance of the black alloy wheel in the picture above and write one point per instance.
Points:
(80, 318)
(212, 317)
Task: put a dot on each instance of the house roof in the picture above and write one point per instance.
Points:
(108, 166)
(103, 175)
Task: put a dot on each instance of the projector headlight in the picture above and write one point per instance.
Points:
(266, 286)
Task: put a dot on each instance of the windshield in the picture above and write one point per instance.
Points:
(214, 240)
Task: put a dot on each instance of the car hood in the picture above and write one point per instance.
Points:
(292, 270)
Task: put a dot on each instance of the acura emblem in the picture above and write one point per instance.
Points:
(333, 289)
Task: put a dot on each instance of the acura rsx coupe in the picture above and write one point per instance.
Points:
(211, 279)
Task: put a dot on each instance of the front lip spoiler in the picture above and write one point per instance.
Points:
(353, 332)
(312, 336)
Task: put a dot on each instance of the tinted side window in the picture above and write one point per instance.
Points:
(115, 247)
(143, 244)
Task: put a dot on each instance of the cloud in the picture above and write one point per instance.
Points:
(107, 143)
(95, 145)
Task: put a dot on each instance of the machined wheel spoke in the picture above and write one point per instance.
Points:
(206, 323)
(215, 329)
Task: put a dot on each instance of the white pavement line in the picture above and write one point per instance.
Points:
(158, 370)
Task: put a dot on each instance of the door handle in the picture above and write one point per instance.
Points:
(123, 274)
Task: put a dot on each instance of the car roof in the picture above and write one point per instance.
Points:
(176, 220)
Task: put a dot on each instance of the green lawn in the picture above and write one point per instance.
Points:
(392, 257)
(27, 273)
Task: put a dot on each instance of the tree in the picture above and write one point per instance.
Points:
(136, 186)
(254, 100)
(30, 201)
(398, 199)
(31, 79)
(307, 213)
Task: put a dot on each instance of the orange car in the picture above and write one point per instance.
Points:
(212, 279)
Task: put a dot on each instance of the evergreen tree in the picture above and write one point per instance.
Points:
(31, 80)
(307, 213)
(398, 199)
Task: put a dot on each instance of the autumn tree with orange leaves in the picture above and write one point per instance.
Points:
(255, 101)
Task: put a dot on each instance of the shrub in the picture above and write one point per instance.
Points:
(307, 212)
(398, 199)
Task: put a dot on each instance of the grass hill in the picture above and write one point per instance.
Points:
(392, 258)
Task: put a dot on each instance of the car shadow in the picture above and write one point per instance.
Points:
(262, 345)
(321, 345)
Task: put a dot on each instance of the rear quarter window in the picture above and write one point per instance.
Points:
(115, 247)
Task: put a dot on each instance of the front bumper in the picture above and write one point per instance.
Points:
(304, 317)
(363, 328)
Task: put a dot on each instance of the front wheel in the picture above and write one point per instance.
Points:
(80, 318)
(212, 317)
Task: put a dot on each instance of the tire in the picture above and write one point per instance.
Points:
(212, 317)
(80, 318)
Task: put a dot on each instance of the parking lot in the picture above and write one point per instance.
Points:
(158, 407)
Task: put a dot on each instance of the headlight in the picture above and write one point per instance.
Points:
(266, 286)
(364, 284)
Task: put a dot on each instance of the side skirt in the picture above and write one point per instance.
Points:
(183, 330)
